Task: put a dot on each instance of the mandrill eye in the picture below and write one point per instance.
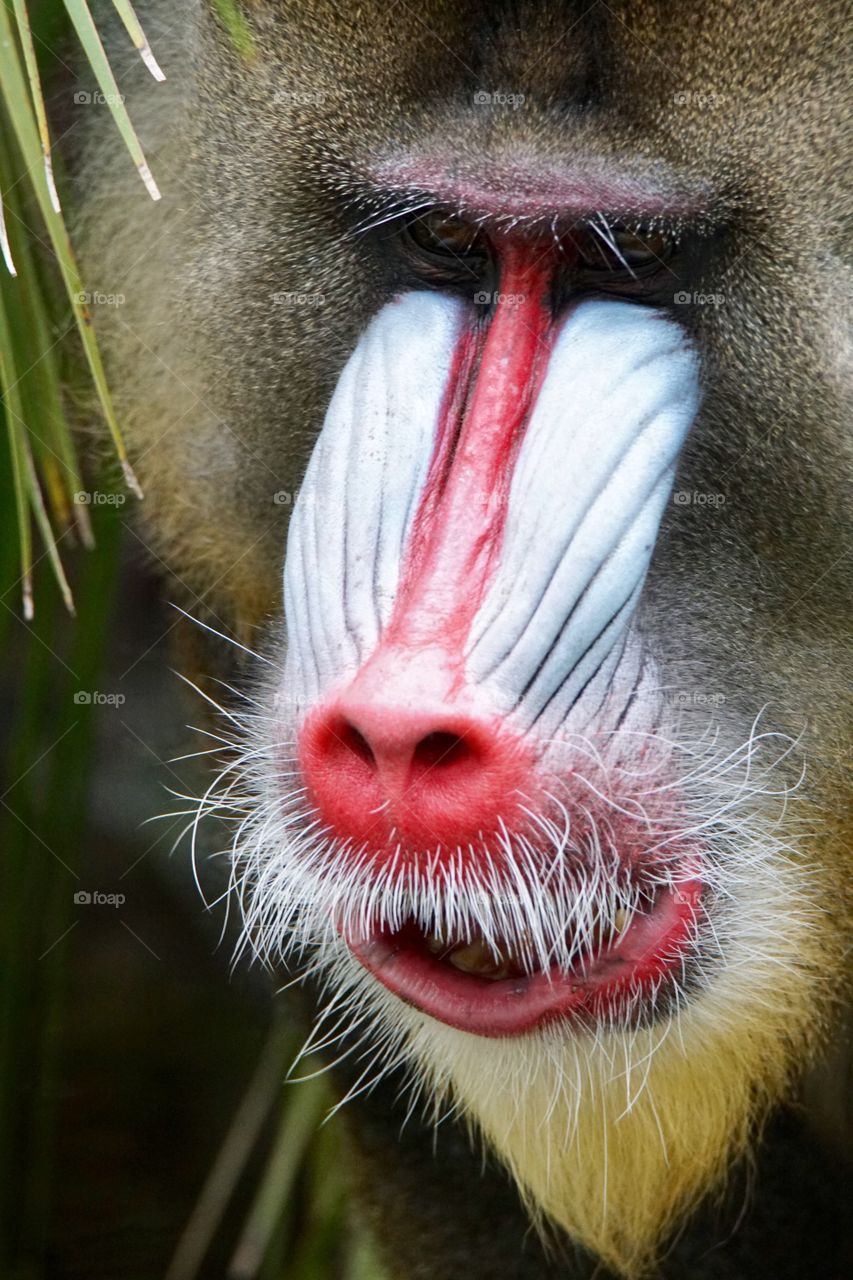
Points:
(442, 236)
(438, 232)
(447, 252)
(616, 249)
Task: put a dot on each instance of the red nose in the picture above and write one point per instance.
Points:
(424, 778)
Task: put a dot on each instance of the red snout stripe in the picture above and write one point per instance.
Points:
(458, 529)
(407, 757)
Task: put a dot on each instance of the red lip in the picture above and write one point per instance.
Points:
(652, 946)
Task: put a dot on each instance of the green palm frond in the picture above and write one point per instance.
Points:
(45, 470)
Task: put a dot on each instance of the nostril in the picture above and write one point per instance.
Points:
(394, 776)
(355, 742)
(438, 750)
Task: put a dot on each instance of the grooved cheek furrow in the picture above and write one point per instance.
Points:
(353, 516)
(591, 483)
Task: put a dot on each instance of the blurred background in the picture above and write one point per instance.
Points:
(146, 1129)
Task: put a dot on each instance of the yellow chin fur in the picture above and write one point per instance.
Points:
(614, 1136)
(613, 1144)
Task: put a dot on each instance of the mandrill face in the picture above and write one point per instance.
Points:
(543, 308)
(503, 837)
(484, 821)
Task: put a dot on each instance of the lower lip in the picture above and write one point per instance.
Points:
(651, 949)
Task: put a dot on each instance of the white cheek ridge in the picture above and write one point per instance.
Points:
(361, 490)
(598, 621)
(593, 477)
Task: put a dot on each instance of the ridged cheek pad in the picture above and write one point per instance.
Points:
(524, 603)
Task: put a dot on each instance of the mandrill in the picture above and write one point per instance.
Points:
(514, 336)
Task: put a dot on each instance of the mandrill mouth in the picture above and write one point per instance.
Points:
(491, 991)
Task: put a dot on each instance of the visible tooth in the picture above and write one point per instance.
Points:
(476, 958)
(620, 920)
(434, 944)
